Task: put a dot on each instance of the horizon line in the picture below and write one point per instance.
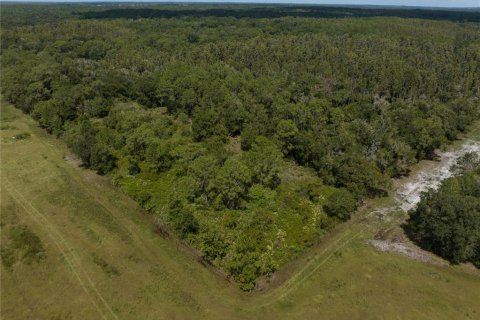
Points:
(274, 2)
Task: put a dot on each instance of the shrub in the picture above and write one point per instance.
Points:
(340, 204)
(182, 219)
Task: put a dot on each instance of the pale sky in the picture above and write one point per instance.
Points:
(427, 3)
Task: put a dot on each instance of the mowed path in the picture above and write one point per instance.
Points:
(70, 257)
(82, 219)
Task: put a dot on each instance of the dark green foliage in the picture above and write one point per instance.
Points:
(232, 183)
(52, 115)
(266, 131)
(207, 123)
(93, 49)
(216, 147)
(263, 160)
(340, 204)
(81, 138)
(447, 221)
(286, 134)
(133, 168)
(248, 138)
(284, 11)
(101, 158)
(248, 258)
(182, 220)
(193, 38)
(213, 245)
(85, 142)
(157, 155)
(360, 177)
(202, 172)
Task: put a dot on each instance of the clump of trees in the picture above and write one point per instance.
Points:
(447, 220)
(250, 138)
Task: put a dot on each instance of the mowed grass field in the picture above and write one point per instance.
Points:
(101, 259)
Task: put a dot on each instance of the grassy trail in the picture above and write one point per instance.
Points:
(103, 259)
(73, 263)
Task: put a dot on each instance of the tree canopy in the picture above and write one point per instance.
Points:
(249, 133)
(447, 220)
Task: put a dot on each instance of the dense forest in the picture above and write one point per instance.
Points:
(278, 11)
(447, 220)
(250, 138)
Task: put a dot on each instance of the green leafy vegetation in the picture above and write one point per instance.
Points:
(250, 138)
(447, 220)
(160, 280)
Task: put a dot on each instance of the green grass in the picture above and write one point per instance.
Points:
(102, 258)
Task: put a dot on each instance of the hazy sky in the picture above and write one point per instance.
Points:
(429, 3)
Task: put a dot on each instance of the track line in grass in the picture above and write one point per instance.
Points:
(296, 284)
(300, 278)
(58, 240)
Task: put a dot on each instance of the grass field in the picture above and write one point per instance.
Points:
(75, 247)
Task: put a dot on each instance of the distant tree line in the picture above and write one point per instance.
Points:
(280, 11)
